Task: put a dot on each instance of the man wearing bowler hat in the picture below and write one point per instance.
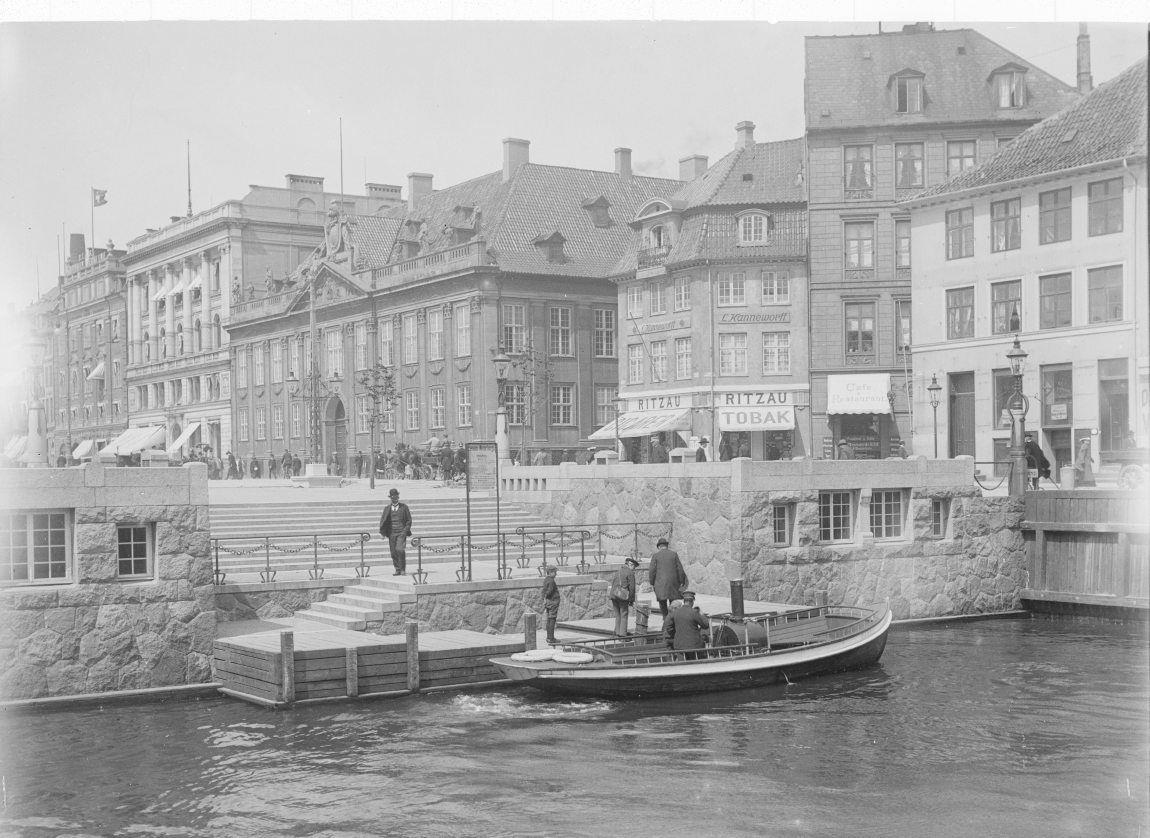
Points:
(682, 630)
(395, 526)
(666, 575)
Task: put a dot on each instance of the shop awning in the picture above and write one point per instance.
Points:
(184, 437)
(858, 393)
(135, 439)
(762, 418)
(97, 373)
(15, 447)
(647, 422)
(85, 449)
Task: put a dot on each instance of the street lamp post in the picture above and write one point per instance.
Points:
(933, 389)
(1018, 472)
(502, 443)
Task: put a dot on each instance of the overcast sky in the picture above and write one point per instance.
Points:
(110, 105)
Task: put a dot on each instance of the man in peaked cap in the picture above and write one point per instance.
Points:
(395, 526)
(682, 631)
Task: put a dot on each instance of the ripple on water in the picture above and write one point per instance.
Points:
(494, 706)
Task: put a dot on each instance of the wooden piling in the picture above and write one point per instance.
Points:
(287, 657)
(412, 629)
(351, 656)
(530, 629)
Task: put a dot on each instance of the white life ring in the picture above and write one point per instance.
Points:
(573, 657)
(534, 655)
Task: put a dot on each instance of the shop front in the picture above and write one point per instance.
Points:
(859, 413)
(759, 424)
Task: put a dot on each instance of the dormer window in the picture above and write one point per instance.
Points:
(659, 236)
(600, 211)
(552, 247)
(754, 227)
(1009, 85)
(908, 94)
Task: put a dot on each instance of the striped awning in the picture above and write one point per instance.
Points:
(97, 373)
(135, 439)
(87, 448)
(184, 437)
(647, 422)
(15, 447)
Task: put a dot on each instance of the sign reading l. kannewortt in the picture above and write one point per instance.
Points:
(755, 410)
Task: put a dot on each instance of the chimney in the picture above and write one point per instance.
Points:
(388, 192)
(746, 130)
(692, 166)
(75, 246)
(1085, 79)
(303, 183)
(515, 152)
(418, 188)
(623, 162)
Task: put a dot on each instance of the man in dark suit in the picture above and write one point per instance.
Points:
(666, 575)
(395, 526)
(682, 630)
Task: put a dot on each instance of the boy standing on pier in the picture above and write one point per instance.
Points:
(551, 602)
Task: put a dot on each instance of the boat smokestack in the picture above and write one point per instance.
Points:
(737, 598)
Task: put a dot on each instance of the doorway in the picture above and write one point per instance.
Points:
(960, 426)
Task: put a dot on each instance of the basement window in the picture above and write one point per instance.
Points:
(135, 549)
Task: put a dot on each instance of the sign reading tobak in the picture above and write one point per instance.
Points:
(755, 410)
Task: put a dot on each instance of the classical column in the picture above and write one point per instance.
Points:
(169, 309)
(130, 326)
(154, 285)
(189, 344)
(205, 302)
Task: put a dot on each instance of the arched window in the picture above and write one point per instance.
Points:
(659, 236)
(163, 342)
(197, 336)
(754, 227)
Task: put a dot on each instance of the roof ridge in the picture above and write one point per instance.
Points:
(600, 172)
(1026, 62)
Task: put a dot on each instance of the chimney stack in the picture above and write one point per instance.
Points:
(746, 130)
(418, 188)
(623, 162)
(75, 246)
(515, 152)
(692, 166)
(1085, 79)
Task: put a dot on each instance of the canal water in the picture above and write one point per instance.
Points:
(1009, 727)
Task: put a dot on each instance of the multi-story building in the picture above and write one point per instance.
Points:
(887, 116)
(713, 308)
(517, 259)
(86, 401)
(184, 281)
(1046, 241)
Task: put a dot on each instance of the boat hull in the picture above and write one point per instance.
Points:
(710, 675)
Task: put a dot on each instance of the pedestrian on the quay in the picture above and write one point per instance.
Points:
(682, 631)
(703, 452)
(622, 592)
(725, 452)
(358, 462)
(551, 602)
(296, 465)
(1083, 466)
(659, 453)
(1037, 465)
(254, 467)
(395, 526)
(745, 447)
(285, 463)
(666, 575)
(233, 468)
(846, 452)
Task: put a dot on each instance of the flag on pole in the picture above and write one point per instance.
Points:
(99, 197)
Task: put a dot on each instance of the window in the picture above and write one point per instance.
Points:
(410, 339)
(1104, 293)
(635, 364)
(605, 405)
(334, 338)
(860, 328)
(960, 233)
(35, 547)
(134, 552)
(834, 516)
(908, 94)
(1010, 89)
(277, 350)
(1006, 225)
(261, 422)
(634, 301)
(733, 354)
(939, 515)
(658, 298)
(1054, 301)
(753, 228)
(960, 313)
(258, 365)
(659, 236)
(858, 237)
(386, 343)
(604, 337)
(886, 513)
(411, 409)
(1003, 382)
(560, 336)
(277, 421)
(438, 418)
(908, 166)
(514, 328)
(296, 420)
(858, 171)
(361, 346)
(732, 289)
(1054, 216)
(293, 359)
(658, 361)
(1006, 307)
(243, 424)
(463, 405)
(902, 333)
(960, 156)
(780, 524)
(362, 414)
(776, 288)
(776, 353)
(902, 243)
(563, 404)
(1105, 207)
(516, 403)
(462, 318)
(682, 358)
(682, 293)
(435, 346)
(1057, 394)
(242, 367)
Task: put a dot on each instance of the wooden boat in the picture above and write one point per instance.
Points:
(745, 651)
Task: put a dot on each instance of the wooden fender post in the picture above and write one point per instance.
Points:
(287, 668)
(413, 656)
(530, 630)
(351, 658)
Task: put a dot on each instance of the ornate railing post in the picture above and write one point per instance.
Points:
(267, 574)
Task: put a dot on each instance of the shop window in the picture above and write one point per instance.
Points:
(1057, 394)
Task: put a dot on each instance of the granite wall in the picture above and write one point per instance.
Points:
(94, 630)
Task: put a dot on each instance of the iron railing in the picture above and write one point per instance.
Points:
(610, 531)
(288, 545)
(500, 542)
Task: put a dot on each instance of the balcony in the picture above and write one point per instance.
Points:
(473, 254)
(653, 257)
(263, 307)
(190, 361)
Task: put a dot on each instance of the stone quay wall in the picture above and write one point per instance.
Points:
(723, 521)
(96, 630)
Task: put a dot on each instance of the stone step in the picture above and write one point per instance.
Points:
(367, 603)
(331, 619)
(338, 609)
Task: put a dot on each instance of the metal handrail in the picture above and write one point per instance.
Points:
(636, 531)
(264, 542)
(499, 543)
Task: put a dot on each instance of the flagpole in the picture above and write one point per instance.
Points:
(92, 211)
(189, 150)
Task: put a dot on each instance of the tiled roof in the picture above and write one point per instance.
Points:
(374, 237)
(850, 79)
(776, 171)
(715, 235)
(1107, 124)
